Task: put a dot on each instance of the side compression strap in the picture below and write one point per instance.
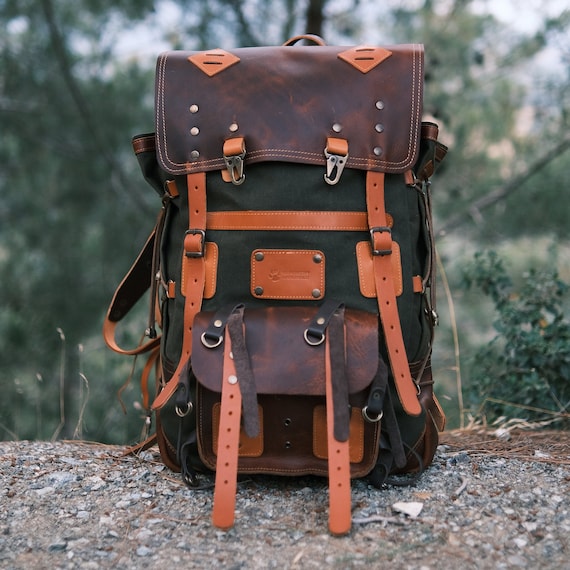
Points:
(381, 242)
(194, 268)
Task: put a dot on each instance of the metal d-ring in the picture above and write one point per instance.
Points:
(312, 342)
(181, 412)
(370, 419)
(208, 344)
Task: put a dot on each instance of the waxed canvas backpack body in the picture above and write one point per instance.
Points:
(291, 270)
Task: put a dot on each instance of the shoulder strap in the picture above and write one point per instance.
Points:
(134, 285)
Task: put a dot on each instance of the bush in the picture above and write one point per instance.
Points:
(524, 371)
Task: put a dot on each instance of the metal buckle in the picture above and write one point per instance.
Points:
(200, 253)
(380, 229)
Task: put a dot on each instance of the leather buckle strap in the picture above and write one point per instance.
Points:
(223, 512)
(194, 267)
(387, 305)
(340, 517)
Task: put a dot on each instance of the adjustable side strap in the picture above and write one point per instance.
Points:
(381, 242)
(134, 285)
(194, 270)
(223, 513)
(340, 517)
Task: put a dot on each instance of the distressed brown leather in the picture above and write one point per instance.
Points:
(282, 362)
(286, 102)
(290, 382)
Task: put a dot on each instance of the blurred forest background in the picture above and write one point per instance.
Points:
(77, 81)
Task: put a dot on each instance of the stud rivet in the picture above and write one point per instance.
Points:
(233, 127)
(337, 127)
(380, 105)
(259, 256)
(379, 128)
(258, 290)
(194, 131)
(194, 155)
(193, 108)
(378, 151)
(316, 293)
(232, 379)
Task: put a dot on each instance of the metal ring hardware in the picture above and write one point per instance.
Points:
(312, 342)
(181, 412)
(370, 419)
(207, 344)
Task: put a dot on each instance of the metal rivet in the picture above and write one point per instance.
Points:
(233, 127)
(288, 445)
(317, 258)
(380, 105)
(258, 290)
(218, 323)
(316, 293)
(194, 155)
(193, 108)
(337, 127)
(321, 321)
(379, 128)
(287, 422)
(232, 379)
(259, 256)
(378, 151)
(194, 131)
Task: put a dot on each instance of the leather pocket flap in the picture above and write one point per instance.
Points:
(282, 361)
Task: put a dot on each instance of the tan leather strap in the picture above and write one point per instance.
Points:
(381, 241)
(193, 267)
(340, 518)
(288, 220)
(223, 513)
(133, 286)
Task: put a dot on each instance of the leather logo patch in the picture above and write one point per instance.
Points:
(288, 274)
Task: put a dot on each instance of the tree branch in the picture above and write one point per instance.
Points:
(117, 177)
(473, 211)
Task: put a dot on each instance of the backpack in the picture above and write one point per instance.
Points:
(291, 269)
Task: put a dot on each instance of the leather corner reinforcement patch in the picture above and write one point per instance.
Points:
(365, 58)
(214, 61)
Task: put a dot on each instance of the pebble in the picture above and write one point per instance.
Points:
(67, 505)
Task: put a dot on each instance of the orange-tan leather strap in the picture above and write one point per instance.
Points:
(223, 512)
(340, 517)
(193, 267)
(288, 220)
(134, 285)
(381, 242)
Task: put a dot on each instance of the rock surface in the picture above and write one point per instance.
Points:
(79, 505)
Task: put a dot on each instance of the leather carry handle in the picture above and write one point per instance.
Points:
(309, 37)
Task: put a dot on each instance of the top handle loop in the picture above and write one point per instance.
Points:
(309, 37)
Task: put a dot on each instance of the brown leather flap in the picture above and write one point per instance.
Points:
(286, 102)
(283, 362)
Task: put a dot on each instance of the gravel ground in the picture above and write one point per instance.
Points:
(80, 505)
